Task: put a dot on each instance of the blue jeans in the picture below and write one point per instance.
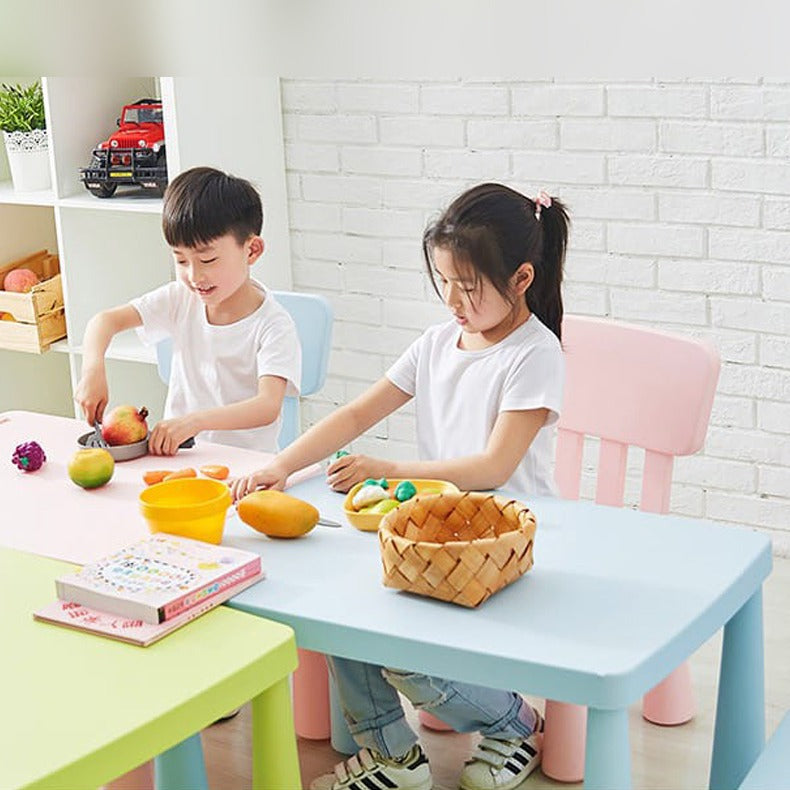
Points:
(369, 696)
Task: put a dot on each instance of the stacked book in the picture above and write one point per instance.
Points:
(145, 591)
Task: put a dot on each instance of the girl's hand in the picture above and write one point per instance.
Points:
(92, 394)
(272, 476)
(168, 434)
(344, 472)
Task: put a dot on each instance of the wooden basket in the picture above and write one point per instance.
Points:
(39, 318)
(459, 547)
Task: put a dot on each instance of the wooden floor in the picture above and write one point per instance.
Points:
(675, 757)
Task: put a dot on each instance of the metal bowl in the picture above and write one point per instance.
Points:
(120, 452)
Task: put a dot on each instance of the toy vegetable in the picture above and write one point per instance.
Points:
(29, 456)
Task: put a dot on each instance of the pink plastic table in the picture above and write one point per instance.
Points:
(44, 513)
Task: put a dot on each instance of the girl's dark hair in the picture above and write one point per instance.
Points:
(203, 204)
(493, 229)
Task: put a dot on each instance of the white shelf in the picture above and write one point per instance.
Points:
(125, 348)
(135, 202)
(44, 197)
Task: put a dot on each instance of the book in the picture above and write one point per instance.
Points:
(135, 632)
(157, 578)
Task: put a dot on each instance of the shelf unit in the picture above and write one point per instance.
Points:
(112, 250)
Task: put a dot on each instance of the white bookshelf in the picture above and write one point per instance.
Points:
(112, 249)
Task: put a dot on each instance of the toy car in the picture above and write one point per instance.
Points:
(135, 154)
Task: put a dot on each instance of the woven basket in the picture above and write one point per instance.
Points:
(459, 547)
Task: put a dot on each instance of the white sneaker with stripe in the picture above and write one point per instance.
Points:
(503, 764)
(368, 770)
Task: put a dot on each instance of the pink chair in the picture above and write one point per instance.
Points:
(627, 385)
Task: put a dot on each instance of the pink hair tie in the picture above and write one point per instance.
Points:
(542, 200)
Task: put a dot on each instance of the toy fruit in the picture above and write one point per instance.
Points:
(91, 467)
(155, 476)
(405, 490)
(381, 507)
(180, 473)
(7, 317)
(29, 456)
(368, 495)
(125, 425)
(20, 280)
(216, 472)
(276, 514)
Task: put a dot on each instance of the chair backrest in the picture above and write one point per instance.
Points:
(312, 315)
(632, 385)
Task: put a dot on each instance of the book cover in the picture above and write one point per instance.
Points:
(135, 632)
(157, 578)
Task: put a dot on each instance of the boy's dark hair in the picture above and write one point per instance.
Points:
(493, 229)
(203, 204)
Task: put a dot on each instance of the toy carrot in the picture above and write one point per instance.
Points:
(217, 472)
(188, 472)
(155, 476)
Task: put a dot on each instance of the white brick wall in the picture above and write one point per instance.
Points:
(680, 197)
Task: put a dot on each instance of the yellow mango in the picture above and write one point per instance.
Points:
(276, 514)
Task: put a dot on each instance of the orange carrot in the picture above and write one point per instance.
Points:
(217, 472)
(156, 476)
(188, 472)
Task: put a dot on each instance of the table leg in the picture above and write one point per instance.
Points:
(275, 761)
(739, 734)
(181, 767)
(607, 764)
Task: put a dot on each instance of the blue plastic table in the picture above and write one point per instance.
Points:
(616, 600)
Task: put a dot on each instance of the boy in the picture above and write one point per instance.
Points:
(236, 353)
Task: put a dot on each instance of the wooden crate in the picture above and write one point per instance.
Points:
(39, 318)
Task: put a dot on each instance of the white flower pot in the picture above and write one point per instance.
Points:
(28, 158)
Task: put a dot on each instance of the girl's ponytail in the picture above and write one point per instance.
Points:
(544, 296)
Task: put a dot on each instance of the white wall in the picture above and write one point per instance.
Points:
(680, 197)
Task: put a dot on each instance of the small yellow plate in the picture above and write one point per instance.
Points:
(369, 522)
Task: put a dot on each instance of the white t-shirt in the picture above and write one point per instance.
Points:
(215, 365)
(459, 394)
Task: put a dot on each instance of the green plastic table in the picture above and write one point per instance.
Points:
(80, 710)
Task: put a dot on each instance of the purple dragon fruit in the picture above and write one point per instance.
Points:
(29, 456)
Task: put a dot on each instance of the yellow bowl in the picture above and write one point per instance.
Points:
(190, 507)
(369, 522)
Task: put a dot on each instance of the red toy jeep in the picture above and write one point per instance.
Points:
(135, 154)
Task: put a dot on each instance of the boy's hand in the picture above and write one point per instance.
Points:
(92, 394)
(344, 472)
(272, 476)
(168, 434)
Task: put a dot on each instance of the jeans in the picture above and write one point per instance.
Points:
(369, 698)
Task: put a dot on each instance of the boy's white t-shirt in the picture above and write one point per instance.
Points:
(218, 365)
(459, 394)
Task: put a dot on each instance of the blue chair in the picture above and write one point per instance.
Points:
(313, 318)
(771, 770)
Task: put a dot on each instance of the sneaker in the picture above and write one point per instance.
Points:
(503, 764)
(367, 769)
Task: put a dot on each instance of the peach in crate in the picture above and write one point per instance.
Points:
(460, 547)
(32, 319)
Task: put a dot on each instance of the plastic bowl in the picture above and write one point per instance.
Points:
(190, 507)
(369, 522)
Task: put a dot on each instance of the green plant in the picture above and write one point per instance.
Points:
(22, 108)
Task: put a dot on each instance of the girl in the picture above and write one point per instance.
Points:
(487, 387)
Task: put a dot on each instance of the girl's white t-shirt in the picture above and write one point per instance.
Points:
(218, 365)
(459, 394)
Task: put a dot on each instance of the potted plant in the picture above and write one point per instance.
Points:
(25, 130)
